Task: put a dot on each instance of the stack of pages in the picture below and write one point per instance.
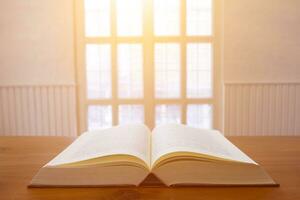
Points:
(176, 154)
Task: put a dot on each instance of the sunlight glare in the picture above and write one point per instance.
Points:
(129, 17)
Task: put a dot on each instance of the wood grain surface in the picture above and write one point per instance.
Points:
(21, 158)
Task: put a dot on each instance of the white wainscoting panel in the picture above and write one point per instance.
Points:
(38, 110)
(262, 109)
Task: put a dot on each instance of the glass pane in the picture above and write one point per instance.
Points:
(199, 116)
(98, 71)
(167, 114)
(167, 70)
(99, 117)
(130, 71)
(130, 114)
(199, 73)
(199, 17)
(129, 17)
(97, 18)
(166, 17)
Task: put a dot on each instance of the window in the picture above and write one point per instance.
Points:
(149, 61)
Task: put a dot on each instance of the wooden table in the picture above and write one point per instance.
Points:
(21, 157)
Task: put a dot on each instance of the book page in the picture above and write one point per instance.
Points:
(131, 140)
(172, 138)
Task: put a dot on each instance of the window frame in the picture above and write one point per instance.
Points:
(148, 40)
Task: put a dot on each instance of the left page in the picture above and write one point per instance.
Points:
(132, 140)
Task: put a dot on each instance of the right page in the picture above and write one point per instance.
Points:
(171, 138)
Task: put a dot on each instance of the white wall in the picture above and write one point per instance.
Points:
(36, 42)
(262, 45)
(261, 40)
(37, 76)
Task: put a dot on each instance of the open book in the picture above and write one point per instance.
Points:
(174, 153)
